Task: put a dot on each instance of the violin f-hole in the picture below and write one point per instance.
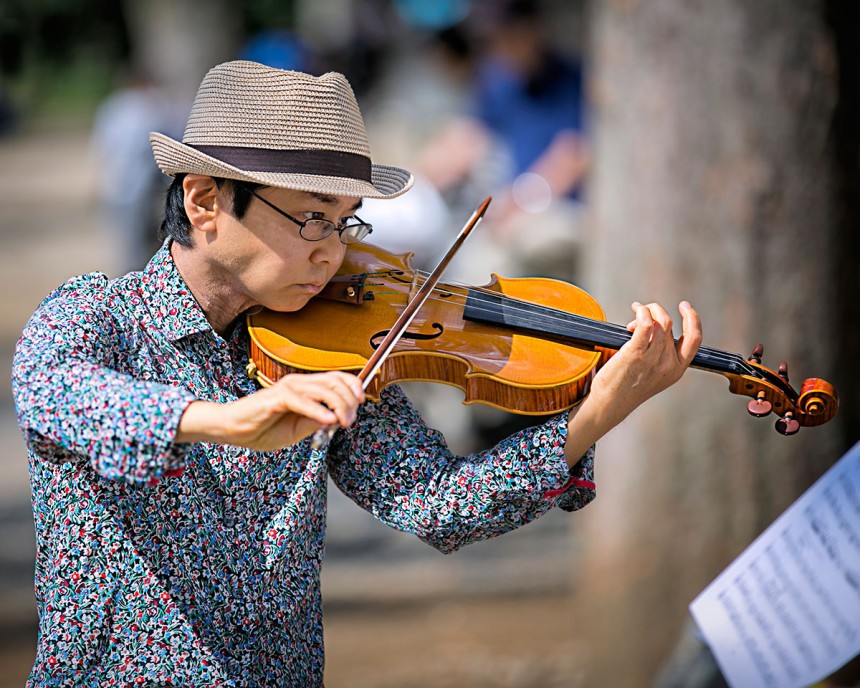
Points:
(376, 339)
(400, 276)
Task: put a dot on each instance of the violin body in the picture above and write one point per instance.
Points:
(525, 345)
(509, 370)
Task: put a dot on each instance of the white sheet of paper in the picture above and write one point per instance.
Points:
(786, 612)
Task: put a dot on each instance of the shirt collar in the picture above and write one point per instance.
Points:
(169, 299)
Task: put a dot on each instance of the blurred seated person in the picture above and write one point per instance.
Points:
(524, 138)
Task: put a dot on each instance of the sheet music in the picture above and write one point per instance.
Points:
(786, 612)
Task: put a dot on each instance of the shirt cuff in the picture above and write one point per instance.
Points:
(579, 489)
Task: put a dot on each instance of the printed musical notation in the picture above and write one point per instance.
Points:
(786, 612)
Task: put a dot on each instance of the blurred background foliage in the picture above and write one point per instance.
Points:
(59, 56)
(63, 57)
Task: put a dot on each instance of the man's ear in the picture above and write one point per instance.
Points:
(201, 201)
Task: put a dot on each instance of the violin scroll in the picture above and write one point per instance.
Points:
(770, 391)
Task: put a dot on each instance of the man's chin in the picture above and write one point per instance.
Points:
(290, 305)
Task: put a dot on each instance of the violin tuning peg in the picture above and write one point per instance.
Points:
(759, 406)
(787, 425)
(783, 371)
(757, 353)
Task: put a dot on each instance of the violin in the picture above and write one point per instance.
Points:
(525, 345)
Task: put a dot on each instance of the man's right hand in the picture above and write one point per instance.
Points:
(275, 417)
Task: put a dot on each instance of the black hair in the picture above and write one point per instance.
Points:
(176, 224)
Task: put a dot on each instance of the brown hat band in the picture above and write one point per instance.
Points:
(327, 163)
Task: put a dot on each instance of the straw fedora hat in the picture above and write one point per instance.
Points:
(279, 128)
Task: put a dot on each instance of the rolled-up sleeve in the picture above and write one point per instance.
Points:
(73, 404)
(400, 470)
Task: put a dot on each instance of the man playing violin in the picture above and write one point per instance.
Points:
(179, 510)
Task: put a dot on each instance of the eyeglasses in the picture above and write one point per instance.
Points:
(317, 230)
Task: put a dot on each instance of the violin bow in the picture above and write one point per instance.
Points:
(322, 437)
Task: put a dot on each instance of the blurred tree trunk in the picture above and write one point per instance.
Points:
(177, 41)
(713, 182)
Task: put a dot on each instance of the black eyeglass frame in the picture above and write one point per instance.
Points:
(334, 228)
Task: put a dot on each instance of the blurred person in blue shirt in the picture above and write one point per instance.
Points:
(527, 94)
(524, 140)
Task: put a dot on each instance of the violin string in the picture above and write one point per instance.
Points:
(584, 325)
(562, 317)
(554, 314)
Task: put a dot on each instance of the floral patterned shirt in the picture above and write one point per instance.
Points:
(197, 564)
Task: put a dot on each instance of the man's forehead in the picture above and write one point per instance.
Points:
(327, 199)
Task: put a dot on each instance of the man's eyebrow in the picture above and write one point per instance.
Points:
(331, 200)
